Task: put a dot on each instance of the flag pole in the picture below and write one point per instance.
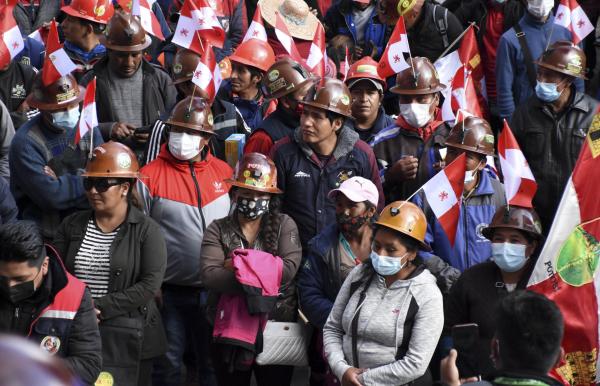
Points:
(454, 42)
(412, 65)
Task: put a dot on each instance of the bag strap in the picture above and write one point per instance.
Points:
(442, 25)
(363, 295)
(531, 73)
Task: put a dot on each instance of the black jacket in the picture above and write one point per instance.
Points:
(477, 11)
(551, 144)
(158, 90)
(138, 258)
(17, 81)
(79, 344)
(425, 37)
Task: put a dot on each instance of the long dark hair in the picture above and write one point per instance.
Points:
(270, 223)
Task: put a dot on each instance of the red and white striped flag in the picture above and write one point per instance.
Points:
(463, 93)
(57, 63)
(392, 61)
(256, 30)
(196, 22)
(12, 40)
(444, 193)
(286, 40)
(317, 57)
(148, 20)
(570, 15)
(207, 75)
(88, 118)
(519, 183)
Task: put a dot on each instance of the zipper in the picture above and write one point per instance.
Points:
(17, 313)
(193, 171)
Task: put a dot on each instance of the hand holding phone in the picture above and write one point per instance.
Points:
(466, 342)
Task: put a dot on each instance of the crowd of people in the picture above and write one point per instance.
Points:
(150, 251)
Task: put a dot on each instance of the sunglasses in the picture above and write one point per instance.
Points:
(101, 184)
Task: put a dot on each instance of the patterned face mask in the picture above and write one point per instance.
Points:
(349, 224)
(252, 208)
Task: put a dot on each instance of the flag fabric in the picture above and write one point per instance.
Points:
(12, 40)
(345, 65)
(207, 75)
(519, 183)
(148, 20)
(392, 61)
(256, 30)
(88, 118)
(444, 193)
(198, 23)
(462, 72)
(286, 40)
(570, 15)
(38, 36)
(57, 63)
(317, 57)
(567, 269)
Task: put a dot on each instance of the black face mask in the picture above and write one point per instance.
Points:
(19, 292)
(350, 224)
(252, 209)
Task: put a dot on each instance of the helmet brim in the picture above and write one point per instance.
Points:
(403, 91)
(43, 106)
(327, 108)
(250, 187)
(137, 47)
(422, 245)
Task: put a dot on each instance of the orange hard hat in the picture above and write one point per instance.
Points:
(406, 218)
(254, 53)
(97, 11)
(365, 68)
(112, 159)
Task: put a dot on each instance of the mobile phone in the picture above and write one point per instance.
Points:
(466, 342)
(143, 130)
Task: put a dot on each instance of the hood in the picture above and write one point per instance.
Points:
(346, 140)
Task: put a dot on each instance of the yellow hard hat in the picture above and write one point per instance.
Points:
(406, 218)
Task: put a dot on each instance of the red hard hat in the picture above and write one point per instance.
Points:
(365, 68)
(254, 53)
(98, 11)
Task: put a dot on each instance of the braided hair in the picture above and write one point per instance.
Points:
(270, 225)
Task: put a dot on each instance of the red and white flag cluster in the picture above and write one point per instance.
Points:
(207, 75)
(38, 35)
(317, 58)
(570, 15)
(256, 30)
(462, 72)
(519, 183)
(198, 23)
(143, 9)
(286, 39)
(392, 61)
(12, 40)
(88, 119)
(444, 192)
(57, 63)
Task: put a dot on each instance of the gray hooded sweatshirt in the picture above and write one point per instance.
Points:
(385, 312)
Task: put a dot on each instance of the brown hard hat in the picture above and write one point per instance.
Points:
(124, 32)
(284, 77)
(60, 95)
(193, 113)
(184, 65)
(112, 159)
(564, 57)
(255, 171)
(515, 217)
(472, 134)
(425, 79)
(406, 218)
(333, 96)
(255, 53)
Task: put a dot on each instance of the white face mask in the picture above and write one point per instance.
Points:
(540, 8)
(184, 146)
(470, 174)
(66, 119)
(416, 114)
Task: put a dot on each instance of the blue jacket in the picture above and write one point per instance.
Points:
(319, 278)
(338, 21)
(476, 212)
(383, 121)
(306, 182)
(33, 53)
(513, 85)
(252, 111)
(8, 207)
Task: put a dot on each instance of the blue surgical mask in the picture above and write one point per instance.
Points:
(509, 257)
(66, 119)
(547, 92)
(385, 265)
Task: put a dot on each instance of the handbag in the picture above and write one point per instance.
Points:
(285, 344)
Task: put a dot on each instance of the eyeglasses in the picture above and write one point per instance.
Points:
(101, 184)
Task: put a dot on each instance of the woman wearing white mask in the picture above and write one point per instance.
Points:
(483, 194)
(515, 234)
(387, 318)
(408, 152)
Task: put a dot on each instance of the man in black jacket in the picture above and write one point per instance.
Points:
(130, 92)
(39, 299)
(552, 125)
(17, 83)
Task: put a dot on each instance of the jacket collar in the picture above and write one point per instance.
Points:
(485, 185)
(166, 156)
(346, 140)
(535, 23)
